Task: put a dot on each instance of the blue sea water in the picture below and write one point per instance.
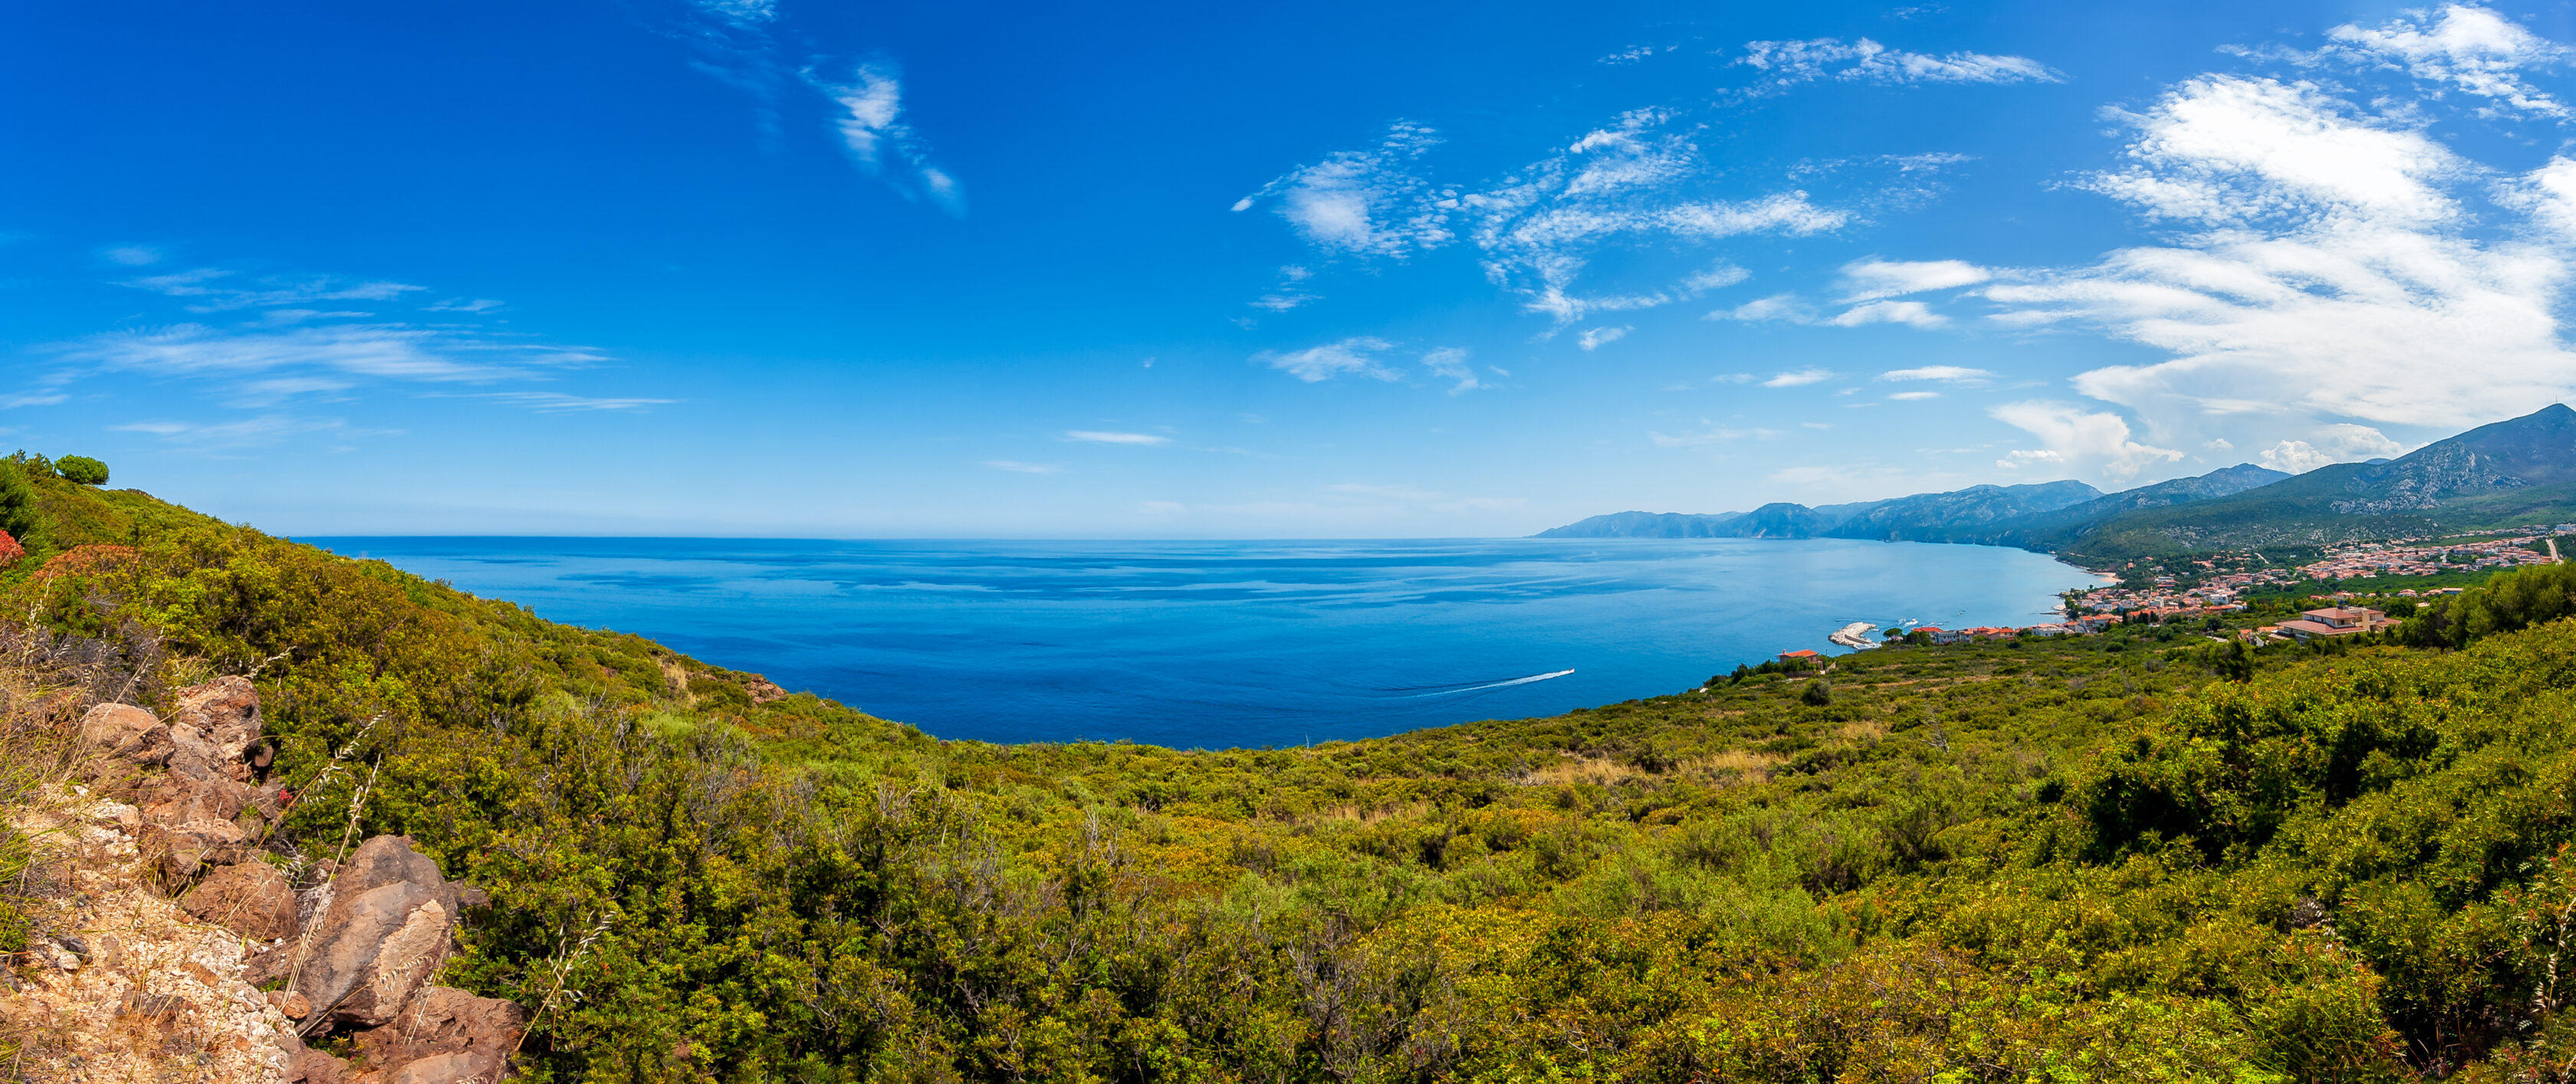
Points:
(1231, 644)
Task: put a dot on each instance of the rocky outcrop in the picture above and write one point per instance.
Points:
(180, 980)
(251, 899)
(461, 1036)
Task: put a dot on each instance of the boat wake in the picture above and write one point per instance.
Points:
(1489, 685)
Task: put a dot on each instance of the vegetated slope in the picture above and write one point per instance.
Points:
(2509, 473)
(2080, 859)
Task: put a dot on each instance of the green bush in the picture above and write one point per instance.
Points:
(81, 470)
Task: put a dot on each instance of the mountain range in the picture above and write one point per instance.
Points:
(2512, 472)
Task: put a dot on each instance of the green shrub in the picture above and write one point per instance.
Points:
(81, 470)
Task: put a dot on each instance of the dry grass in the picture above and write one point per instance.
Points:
(1734, 767)
(1571, 770)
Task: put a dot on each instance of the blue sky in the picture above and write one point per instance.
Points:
(1338, 270)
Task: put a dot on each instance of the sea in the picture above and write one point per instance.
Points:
(1234, 644)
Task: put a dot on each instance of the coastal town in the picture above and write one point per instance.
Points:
(2216, 589)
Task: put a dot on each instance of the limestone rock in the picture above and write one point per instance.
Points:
(128, 732)
(459, 1035)
(388, 925)
(251, 899)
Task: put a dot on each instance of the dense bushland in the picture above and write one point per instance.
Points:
(2048, 860)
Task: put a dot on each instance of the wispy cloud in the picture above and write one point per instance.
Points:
(1954, 374)
(1869, 280)
(1911, 396)
(132, 255)
(262, 431)
(1290, 291)
(1914, 313)
(1786, 64)
(548, 402)
(385, 351)
(1799, 378)
(872, 128)
(215, 289)
(1450, 363)
(1097, 436)
(1366, 202)
(1017, 467)
(1355, 356)
(2471, 49)
(1595, 338)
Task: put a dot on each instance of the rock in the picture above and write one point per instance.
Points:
(306, 1065)
(126, 731)
(251, 899)
(388, 925)
(268, 965)
(461, 1035)
(62, 959)
(290, 1004)
(184, 849)
(225, 711)
(439, 1069)
(763, 690)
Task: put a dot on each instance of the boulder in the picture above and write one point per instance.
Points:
(191, 846)
(464, 1037)
(226, 711)
(388, 925)
(251, 899)
(127, 732)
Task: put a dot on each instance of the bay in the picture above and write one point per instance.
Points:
(1233, 644)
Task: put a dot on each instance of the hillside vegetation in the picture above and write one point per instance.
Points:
(2063, 860)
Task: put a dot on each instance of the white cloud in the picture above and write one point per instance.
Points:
(1799, 378)
(1018, 467)
(214, 289)
(1355, 356)
(1632, 182)
(873, 130)
(1095, 436)
(550, 402)
(1868, 280)
(1366, 203)
(1954, 374)
(262, 431)
(2015, 460)
(2338, 269)
(2341, 443)
(1595, 338)
(2220, 444)
(384, 351)
(1774, 307)
(745, 12)
(2094, 440)
(1907, 396)
(1785, 64)
(1289, 293)
(1913, 313)
(14, 400)
(133, 255)
(1450, 363)
(460, 304)
(2471, 48)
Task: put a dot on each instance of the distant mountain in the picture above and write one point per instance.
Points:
(1904, 517)
(2506, 474)
(2008, 515)
(1937, 517)
(1646, 525)
(2502, 475)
